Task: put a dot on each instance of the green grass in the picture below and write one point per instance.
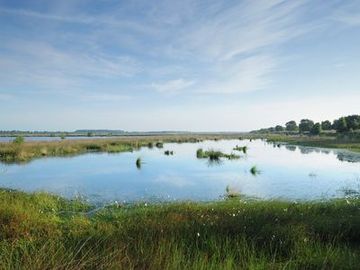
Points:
(168, 152)
(241, 149)
(138, 163)
(214, 155)
(40, 231)
(254, 170)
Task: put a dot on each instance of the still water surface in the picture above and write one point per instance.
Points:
(287, 172)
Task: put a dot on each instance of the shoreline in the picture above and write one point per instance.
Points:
(47, 231)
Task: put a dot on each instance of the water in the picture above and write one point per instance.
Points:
(49, 139)
(287, 172)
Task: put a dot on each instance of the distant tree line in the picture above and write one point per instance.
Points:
(306, 126)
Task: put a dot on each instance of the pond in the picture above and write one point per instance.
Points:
(286, 172)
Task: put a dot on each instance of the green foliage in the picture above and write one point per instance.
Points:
(254, 170)
(240, 148)
(291, 126)
(159, 144)
(316, 129)
(200, 153)
(19, 140)
(346, 124)
(214, 155)
(306, 125)
(41, 231)
(279, 128)
(326, 125)
(168, 152)
(138, 163)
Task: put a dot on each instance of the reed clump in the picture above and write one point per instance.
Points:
(214, 155)
(168, 153)
(241, 149)
(254, 170)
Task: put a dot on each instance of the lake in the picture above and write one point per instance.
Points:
(286, 172)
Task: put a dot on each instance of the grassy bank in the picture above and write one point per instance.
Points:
(317, 141)
(40, 231)
(23, 152)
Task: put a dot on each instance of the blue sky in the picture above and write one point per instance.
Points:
(177, 65)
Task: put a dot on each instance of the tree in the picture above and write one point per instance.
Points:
(353, 122)
(326, 125)
(316, 129)
(291, 126)
(340, 125)
(305, 125)
(279, 128)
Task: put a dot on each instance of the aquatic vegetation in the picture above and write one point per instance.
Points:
(232, 192)
(215, 155)
(41, 231)
(168, 152)
(241, 149)
(151, 145)
(200, 153)
(138, 163)
(159, 144)
(254, 170)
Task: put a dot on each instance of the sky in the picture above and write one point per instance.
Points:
(190, 65)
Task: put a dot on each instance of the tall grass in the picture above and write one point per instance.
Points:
(254, 170)
(214, 155)
(138, 163)
(40, 231)
(241, 149)
(26, 151)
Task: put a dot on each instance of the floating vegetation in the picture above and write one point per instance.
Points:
(214, 155)
(138, 163)
(231, 192)
(168, 152)
(241, 149)
(159, 144)
(254, 170)
(150, 145)
(200, 153)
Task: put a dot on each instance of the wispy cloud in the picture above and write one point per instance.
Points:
(348, 14)
(40, 64)
(249, 74)
(172, 86)
(107, 20)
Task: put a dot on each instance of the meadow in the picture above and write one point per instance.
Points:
(42, 231)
